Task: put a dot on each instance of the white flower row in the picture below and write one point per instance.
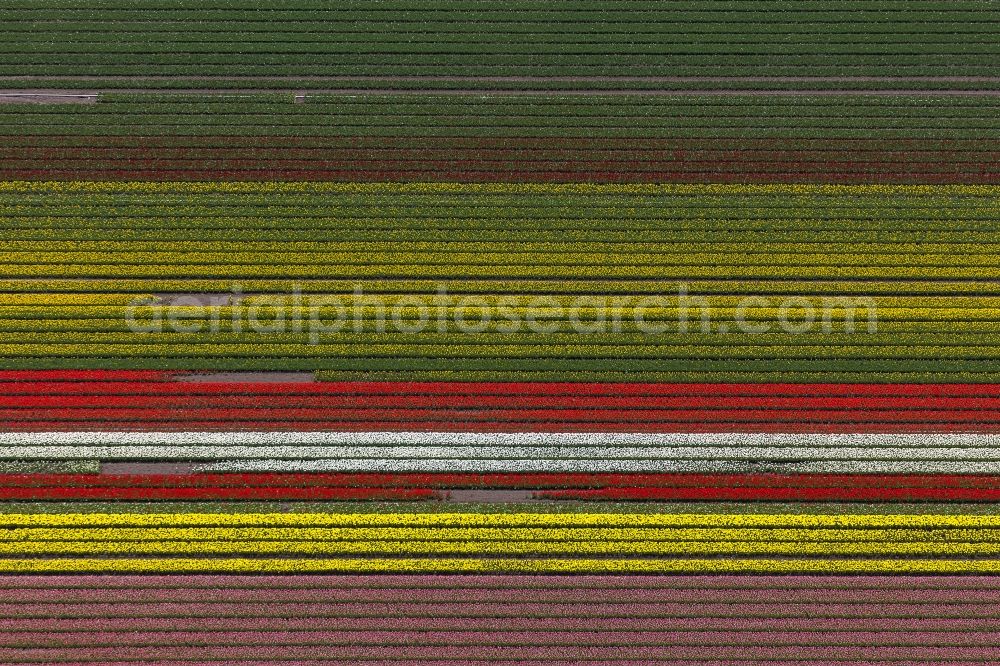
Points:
(610, 465)
(304, 452)
(538, 439)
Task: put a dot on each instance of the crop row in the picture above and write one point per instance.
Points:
(500, 192)
(567, 58)
(486, 286)
(486, 157)
(180, 49)
(333, 251)
(364, 365)
(604, 547)
(564, 105)
(281, 232)
(275, 234)
(376, 464)
(557, 304)
(287, 229)
(237, 83)
(746, 22)
(42, 479)
(500, 565)
(558, 486)
(982, 535)
(859, 592)
(457, 117)
(268, 8)
(125, 172)
(187, 38)
(763, 129)
(720, 256)
(328, 218)
(958, 332)
(496, 623)
(234, 69)
(445, 146)
(784, 372)
(435, 519)
(247, 267)
(811, 36)
(581, 351)
(949, 341)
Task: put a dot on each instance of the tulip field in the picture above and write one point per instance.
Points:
(459, 43)
(713, 137)
(447, 332)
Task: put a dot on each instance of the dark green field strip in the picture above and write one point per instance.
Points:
(537, 158)
(492, 152)
(439, 146)
(924, 117)
(315, 251)
(535, 105)
(87, 40)
(268, 9)
(702, 62)
(461, 38)
(192, 70)
(587, 15)
(597, 104)
(777, 86)
(974, 167)
(751, 128)
(556, 106)
(180, 50)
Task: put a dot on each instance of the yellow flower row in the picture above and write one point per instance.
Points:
(503, 547)
(733, 268)
(649, 534)
(71, 300)
(560, 520)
